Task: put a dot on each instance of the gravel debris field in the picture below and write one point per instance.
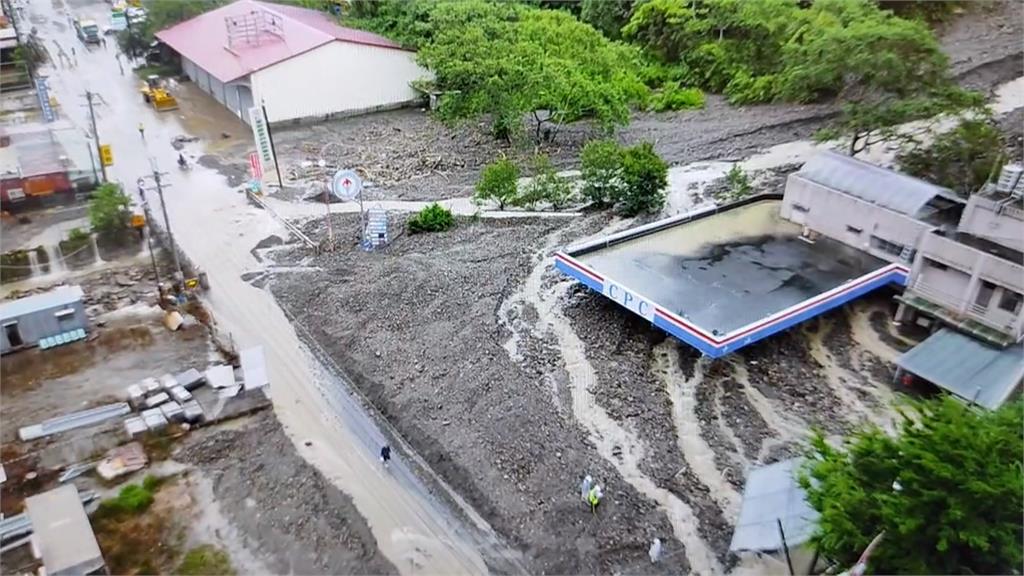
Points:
(416, 326)
(295, 520)
(472, 346)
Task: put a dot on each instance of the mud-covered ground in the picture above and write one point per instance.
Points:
(417, 329)
(286, 513)
(513, 382)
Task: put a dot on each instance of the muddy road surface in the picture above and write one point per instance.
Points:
(217, 228)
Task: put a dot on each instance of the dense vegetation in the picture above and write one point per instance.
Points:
(947, 492)
(510, 59)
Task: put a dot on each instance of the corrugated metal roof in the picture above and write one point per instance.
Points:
(772, 494)
(966, 367)
(63, 533)
(893, 190)
(60, 296)
(204, 39)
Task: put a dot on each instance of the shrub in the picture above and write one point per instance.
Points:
(78, 235)
(645, 176)
(433, 218)
(546, 186)
(601, 172)
(672, 97)
(498, 182)
(204, 560)
(739, 182)
(132, 499)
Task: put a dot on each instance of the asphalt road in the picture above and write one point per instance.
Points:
(217, 228)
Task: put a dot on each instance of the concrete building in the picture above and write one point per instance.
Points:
(296, 62)
(881, 212)
(61, 534)
(966, 278)
(48, 319)
(42, 165)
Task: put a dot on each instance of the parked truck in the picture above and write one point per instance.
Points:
(88, 31)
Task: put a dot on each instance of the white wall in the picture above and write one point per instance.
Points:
(1002, 223)
(830, 212)
(337, 77)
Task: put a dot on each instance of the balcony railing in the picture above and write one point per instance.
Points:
(953, 303)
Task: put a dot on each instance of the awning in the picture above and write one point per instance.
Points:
(967, 367)
(771, 495)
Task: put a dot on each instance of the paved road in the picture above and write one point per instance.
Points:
(217, 228)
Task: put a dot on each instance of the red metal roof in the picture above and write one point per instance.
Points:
(204, 39)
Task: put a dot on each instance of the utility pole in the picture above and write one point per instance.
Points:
(167, 221)
(131, 35)
(95, 134)
(149, 231)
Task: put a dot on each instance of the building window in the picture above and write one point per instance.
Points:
(936, 264)
(1010, 301)
(884, 245)
(985, 294)
(853, 229)
(800, 207)
(66, 319)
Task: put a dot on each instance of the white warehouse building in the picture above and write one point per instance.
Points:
(298, 63)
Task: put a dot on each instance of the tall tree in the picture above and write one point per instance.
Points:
(947, 491)
(607, 16)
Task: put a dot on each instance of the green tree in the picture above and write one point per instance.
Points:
(109, 209)
(499, 182)
(962, 159)
(162, 14)
(947, 491)
(601, 172)
(644, 178)
(607, 16)
(508, 61)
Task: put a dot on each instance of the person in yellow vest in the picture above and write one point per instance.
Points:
(595, 497)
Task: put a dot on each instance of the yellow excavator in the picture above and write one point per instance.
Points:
(155, 94)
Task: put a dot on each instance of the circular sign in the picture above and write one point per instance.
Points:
(346, 185)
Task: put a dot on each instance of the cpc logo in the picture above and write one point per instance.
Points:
(629, 300)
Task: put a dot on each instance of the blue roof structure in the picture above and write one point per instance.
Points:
(966, 367)
(60, 296)
(771, 495)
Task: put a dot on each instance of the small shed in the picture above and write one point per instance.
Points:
(966, 367)
(774, 505)
(61, 534)
(48, 319)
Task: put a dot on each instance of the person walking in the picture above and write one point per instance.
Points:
(142, 131)
(385, 455)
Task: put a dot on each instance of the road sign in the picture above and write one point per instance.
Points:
(261, 133)
(346, 185)
(42, 93)
(106, 155)
(254, 166)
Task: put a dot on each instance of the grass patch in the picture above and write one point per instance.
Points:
(162, 70)
(205, 560)
(134, 538)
